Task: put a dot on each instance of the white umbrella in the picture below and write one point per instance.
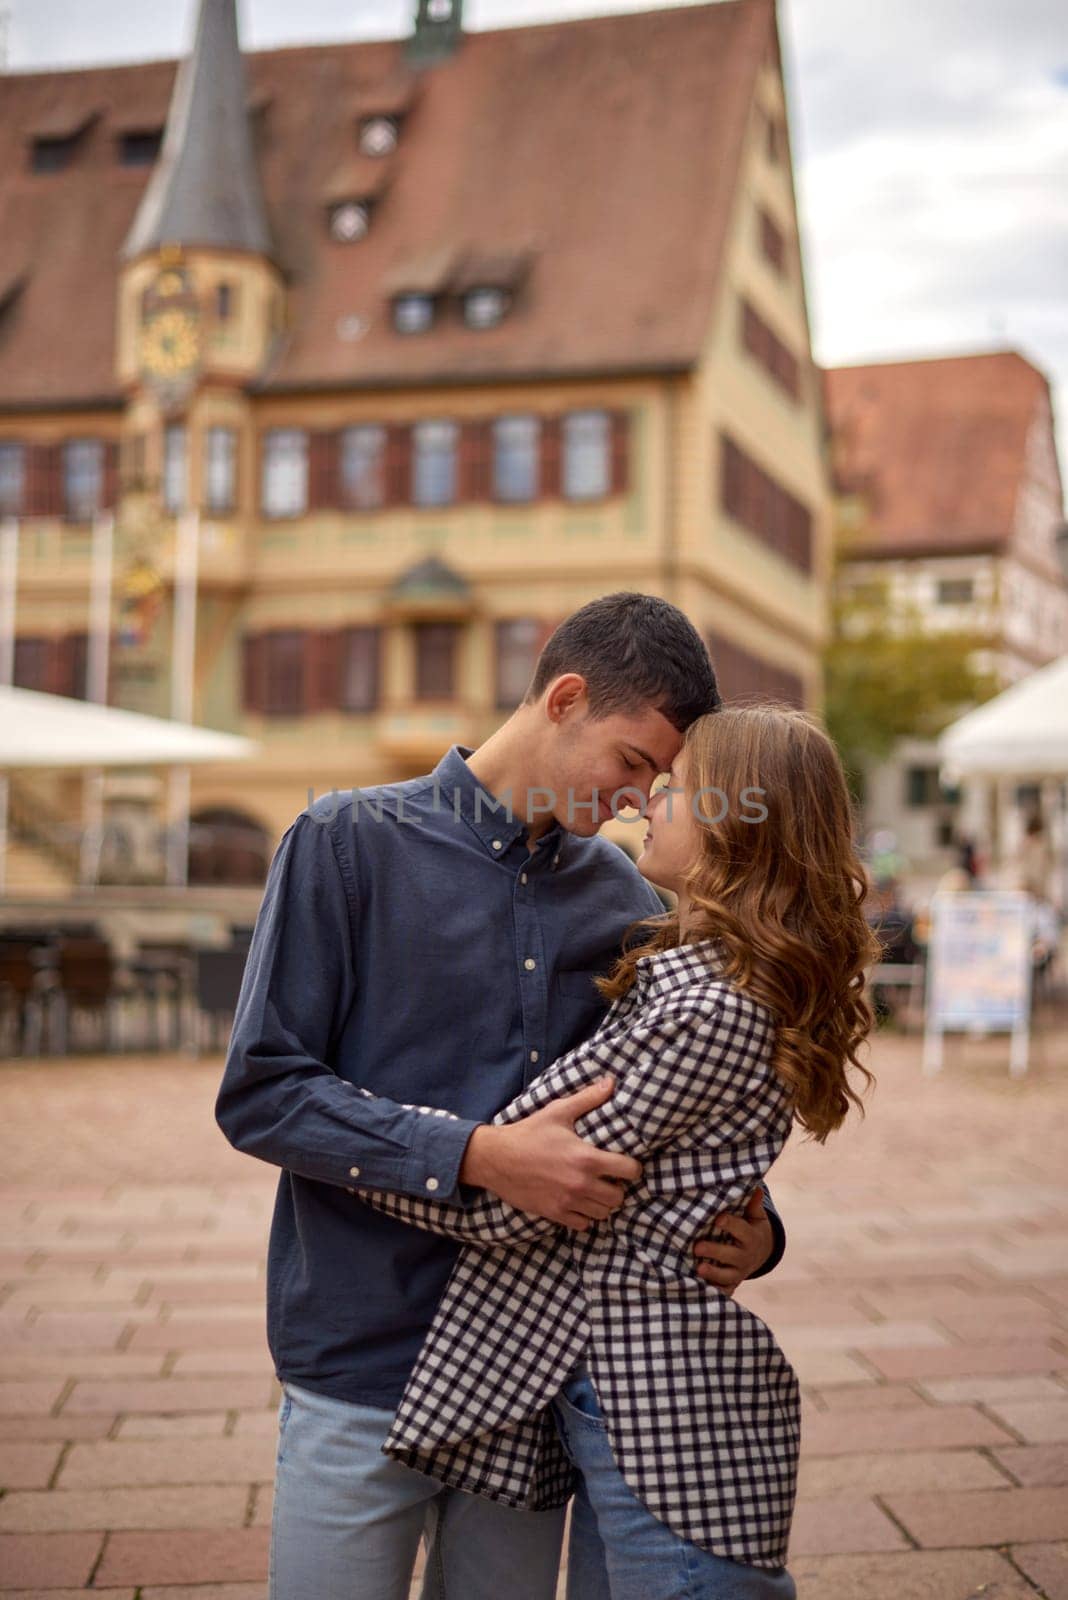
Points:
(1022, 732)
(47, 730)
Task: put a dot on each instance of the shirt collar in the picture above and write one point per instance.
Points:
(459, 789)
(698, 961)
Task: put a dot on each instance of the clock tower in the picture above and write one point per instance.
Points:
(201, 299)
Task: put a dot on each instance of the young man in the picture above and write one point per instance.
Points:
(434, 941)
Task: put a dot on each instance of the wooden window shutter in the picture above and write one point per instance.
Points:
(322, 678)
(110, 485)
(550, 458)
(475, 462)
(620, 452)
(44, 480)
(252, 695)
(323, 455)
(397, 475)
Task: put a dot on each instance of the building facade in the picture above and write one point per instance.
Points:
(440, 338)
(950, 517)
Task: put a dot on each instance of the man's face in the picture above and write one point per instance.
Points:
(625, 752)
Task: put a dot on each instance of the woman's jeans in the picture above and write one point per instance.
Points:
(348, 1519)
(617, 1549)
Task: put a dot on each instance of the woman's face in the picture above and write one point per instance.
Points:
(672, 835)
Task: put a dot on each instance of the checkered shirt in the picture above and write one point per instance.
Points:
(700, 1404)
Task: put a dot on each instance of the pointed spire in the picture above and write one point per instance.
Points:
(205, 189)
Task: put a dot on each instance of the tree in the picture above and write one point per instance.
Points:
(891, 677)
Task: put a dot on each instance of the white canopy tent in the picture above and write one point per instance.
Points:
(49, 731)
(1020, 737)
(1022, 733)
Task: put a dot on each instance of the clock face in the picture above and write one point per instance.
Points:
(170, 344)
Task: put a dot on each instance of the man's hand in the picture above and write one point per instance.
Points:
(541, 1165)
(726, 1264)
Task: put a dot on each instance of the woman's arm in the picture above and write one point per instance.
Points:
(689, 1058)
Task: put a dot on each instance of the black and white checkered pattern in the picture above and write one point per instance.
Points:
(701, 1406)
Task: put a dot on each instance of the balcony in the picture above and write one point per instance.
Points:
(420, 734)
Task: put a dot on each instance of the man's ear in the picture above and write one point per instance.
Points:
(565, 696)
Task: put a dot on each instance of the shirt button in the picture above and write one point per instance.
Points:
(530, 963)
(431, 1183)
(522, 877)
(497, 845)
(533, 1055)
(354, 1172)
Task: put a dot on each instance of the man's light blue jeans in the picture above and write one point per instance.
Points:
(617, 1549)
(348, 1520)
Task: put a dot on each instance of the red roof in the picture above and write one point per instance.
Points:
(601, 153)
(937, 448)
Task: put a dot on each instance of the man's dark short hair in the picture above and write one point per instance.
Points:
(636, 653)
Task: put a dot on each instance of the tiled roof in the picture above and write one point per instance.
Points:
(602, 154)
(937, 448)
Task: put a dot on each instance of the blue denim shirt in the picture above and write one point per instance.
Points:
(409, 942)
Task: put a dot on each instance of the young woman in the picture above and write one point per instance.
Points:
(594, 1360)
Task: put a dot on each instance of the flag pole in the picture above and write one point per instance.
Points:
(96, 687)
(183, 665)
(9, 564)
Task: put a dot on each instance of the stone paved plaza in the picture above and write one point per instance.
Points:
(923, 1300)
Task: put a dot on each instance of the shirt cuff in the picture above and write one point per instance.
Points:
(778, 1248)
(432, 1170)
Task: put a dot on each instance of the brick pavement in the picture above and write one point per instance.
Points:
(924, 1302)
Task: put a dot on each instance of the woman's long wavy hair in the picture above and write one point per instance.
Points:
(783, 896)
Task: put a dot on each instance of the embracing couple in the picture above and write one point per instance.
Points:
(524, 1115)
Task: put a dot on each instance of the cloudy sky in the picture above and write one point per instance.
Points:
(931, 138)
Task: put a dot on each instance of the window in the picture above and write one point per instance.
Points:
(772, 241)
(83, 478)
(140, 149)
(742, 675)
(225, 302)
(283, 673)
(484, 308)
(220, 469)
(587, 455)
(436, 645)
(12, 477)
(755, 500)
(774, 356)
(174, 468)
(921, 786)
(350, 221)
(285, 472)
(434, 463)
(363, 466)
(378, 136)
(52, 154)
(360, 651)
(413, 313)
(518, 647)
(956, 591)
(516, 447)
(33, 658)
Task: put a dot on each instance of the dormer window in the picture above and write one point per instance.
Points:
(55, 139)
(52, 155)
(413, 313)
(485, 307)
(140, 147)
(350, 221)
(378, 136)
